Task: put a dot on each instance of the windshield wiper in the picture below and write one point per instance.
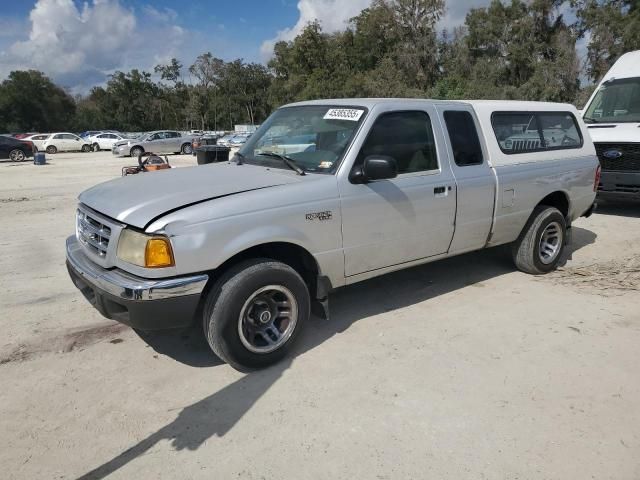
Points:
(240, 159)
(289, 162)
(589, 120)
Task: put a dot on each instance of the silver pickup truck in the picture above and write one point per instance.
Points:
(325, 194)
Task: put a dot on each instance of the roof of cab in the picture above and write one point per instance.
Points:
(504, 105)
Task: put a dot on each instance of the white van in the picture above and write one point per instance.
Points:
(613, 119)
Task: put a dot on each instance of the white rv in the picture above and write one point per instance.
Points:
(613, 119)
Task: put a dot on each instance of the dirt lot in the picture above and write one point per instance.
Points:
(461, 369)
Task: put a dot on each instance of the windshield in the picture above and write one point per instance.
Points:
(314, 136)
(617, 101)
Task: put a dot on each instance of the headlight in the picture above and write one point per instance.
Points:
(149, 251)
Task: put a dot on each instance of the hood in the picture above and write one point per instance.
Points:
(122, 142)
(614, 132)
(138, 199)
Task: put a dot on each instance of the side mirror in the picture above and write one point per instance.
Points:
(375, 167)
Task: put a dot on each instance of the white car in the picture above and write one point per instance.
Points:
(65, 142)
(38, 140)
(104, 141)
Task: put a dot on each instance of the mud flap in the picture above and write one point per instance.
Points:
(320, 307)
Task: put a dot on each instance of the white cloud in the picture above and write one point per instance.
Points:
(333, 15)
(78, 47)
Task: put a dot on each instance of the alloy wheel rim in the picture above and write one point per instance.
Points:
(17, 156)
(268, 319)
(550, 243)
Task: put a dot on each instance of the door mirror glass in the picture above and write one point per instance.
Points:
(375, 167)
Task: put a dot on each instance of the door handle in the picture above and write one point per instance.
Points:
(439, 190)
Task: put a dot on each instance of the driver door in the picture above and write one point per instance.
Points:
(391, 222)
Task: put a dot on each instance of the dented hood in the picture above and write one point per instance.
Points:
(138, 199)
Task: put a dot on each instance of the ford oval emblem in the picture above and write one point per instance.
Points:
(612, 154)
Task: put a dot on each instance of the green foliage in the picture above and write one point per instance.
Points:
(512, 49)
(29, 101)
(613, 27)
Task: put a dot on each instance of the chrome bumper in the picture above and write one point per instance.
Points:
(129, 287)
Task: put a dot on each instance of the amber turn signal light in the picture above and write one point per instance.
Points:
(158, 253)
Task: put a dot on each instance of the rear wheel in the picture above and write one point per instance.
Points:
(186, 149)
(541, 243)
(17, 155)
(254, 313)
(136, 152)
(51, 149)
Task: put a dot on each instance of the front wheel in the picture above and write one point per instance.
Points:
(136, 152)
(17, 155)
(541, 243)
(51, 150)
(254, 313)
(95, 147)
(85, 148)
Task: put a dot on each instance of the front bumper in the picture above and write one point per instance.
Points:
(120, 151)
(138, 302)
(619, 185)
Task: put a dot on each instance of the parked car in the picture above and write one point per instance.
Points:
(234, 139)
(16, 150)
(613, 118)
(199, 141)
(38, 140)
(247, 247)
(162, 141)
(20, 136)
(225, 139)
(104, 141)
(65, 142)
(90, 133)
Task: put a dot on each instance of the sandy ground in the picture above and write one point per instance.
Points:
(464, 368)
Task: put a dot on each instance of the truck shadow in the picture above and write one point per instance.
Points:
(217, 413)
(628, 208)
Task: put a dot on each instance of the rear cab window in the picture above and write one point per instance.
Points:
(525, 132)
(464, 139)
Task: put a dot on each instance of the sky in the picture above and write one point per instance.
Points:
(79, 43)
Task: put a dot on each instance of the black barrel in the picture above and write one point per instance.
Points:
(212, 154)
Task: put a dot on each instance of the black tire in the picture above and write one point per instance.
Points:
(51, 150)
(95, 147)
(529, 253)
(85, 148)
(17, 155)
(227, 300)
(136, 152)
(186, 149)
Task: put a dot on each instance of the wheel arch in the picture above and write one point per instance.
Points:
(558, 199)
(136, 146)
(292, 254)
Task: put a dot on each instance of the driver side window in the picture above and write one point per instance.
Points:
(405, 136)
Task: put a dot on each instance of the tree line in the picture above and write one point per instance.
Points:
(509, 50)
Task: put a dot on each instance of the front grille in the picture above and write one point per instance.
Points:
(93, 234)
(628, 162)
(524, 145)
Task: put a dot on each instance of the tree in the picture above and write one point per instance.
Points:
(29, 101)
(613, 27)
(170, 71)
(512, 51)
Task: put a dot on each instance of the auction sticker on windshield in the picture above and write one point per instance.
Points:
(351, 114)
